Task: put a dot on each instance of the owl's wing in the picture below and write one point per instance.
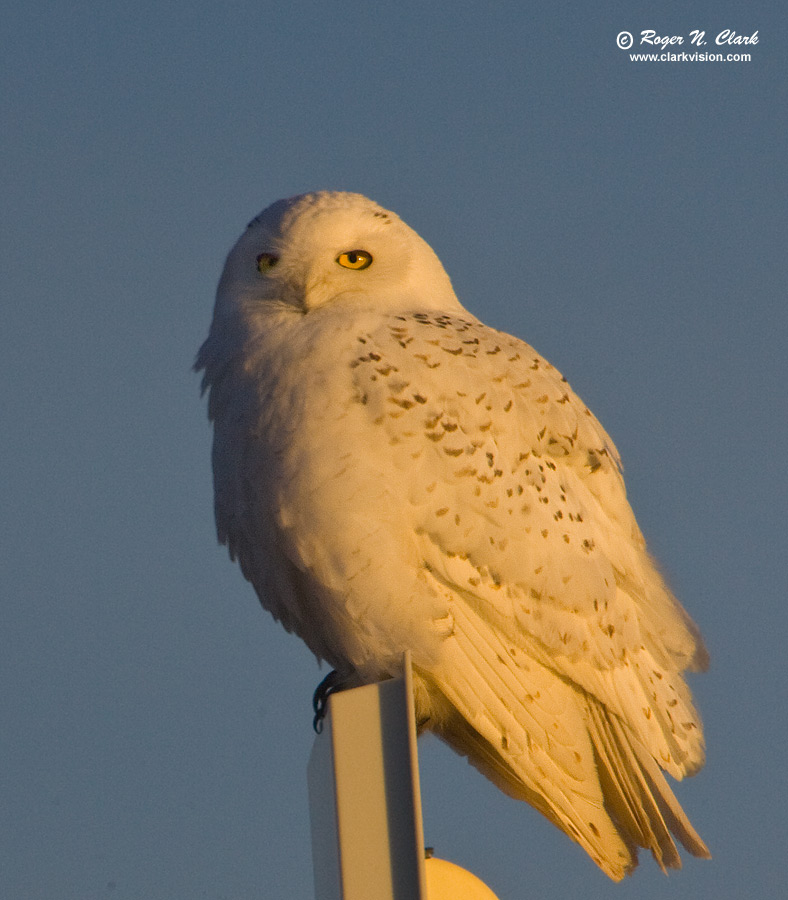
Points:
(568, 647)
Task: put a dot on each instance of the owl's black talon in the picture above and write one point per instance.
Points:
(334, 681)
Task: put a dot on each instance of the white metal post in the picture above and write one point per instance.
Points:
(365, 804)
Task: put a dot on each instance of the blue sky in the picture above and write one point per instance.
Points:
(627, 219)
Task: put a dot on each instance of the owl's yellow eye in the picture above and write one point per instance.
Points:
(355, 259)
(266, 261)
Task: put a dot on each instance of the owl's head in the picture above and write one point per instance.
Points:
(324, 248)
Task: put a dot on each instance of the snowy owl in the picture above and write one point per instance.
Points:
(393, 474)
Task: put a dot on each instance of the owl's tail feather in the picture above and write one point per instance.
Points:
(637, 794)
(531, 742)
(547, 742)
(612, 852)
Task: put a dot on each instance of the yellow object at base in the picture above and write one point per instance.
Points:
(445, 881)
